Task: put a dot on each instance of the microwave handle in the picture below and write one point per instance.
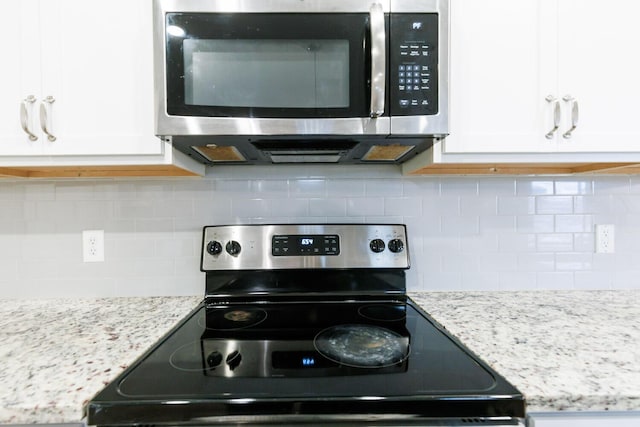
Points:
(378, 54)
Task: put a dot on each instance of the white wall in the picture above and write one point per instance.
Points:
(480, 233)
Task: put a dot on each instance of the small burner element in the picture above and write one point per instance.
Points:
(384, 312)
(227, 319)
(362, 346)
(188, 357)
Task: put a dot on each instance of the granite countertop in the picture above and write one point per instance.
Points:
(566, 351)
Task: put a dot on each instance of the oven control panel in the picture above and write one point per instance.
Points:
(304, 246)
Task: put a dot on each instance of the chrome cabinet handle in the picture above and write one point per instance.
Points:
(575, 115)
(378, 66)
(45, 107)
(556, 116)
(25, 106)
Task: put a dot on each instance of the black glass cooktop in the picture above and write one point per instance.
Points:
(301, 359)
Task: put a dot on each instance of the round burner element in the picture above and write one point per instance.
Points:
(384, 312)
(228, 319)
(187, 357)
(362, 346)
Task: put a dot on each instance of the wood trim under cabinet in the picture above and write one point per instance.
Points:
(95, 171)
(525, 169)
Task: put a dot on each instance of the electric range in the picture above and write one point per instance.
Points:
(307, 325)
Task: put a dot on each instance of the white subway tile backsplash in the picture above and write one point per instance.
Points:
(516, 205)
(308, 188)
(345, 188)
(517, 242)
(497, 187)
(534, 187)
(383, 188)
(574, 261)
(328, 207)
(554, 242)
(554, 205)
(402, 206)
(365, 206)
(459, 186)
(570, 186)
(555, 280)
(480, 233)
(536, 262)
(573, 223)
(535, 223)
(486, 205)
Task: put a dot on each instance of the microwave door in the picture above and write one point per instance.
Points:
(273, 73)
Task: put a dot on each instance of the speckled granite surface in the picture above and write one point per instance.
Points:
(563, 350)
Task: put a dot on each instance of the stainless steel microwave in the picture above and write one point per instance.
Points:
(291, 81)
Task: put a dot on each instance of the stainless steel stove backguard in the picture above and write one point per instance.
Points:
(304, 246)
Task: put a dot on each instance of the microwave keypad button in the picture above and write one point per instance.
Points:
(416, 68)
(401, 68)
(404, 102)
(401, 81)
(401, 74)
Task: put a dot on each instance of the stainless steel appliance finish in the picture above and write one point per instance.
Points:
(374, 120)
(247, 247)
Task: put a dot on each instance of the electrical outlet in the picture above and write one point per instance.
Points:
(605, 238)
(93, 246)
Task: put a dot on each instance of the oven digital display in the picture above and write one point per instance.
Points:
(305, 245)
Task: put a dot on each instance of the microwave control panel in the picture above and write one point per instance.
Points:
(413, 57)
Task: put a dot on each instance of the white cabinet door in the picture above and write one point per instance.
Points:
(97, 66)
(19, 77)
(509, 57)
(599, 66)
(497, 88)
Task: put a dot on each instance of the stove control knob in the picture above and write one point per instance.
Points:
(396, 245)
(233, 359)
(377, 245)
(233, 248)
(214, 359)
(214, 247)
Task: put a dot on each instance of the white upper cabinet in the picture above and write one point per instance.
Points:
(86, 70)
(495, 83)
(524, 73)
(19, 78)
(599, 67)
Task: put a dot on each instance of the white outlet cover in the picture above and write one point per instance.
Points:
(93, 246)
(605, 238)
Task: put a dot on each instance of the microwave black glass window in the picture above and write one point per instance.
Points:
(266, 73)
(268, 65)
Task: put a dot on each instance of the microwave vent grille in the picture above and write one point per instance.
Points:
(386, 153)
(220, 154)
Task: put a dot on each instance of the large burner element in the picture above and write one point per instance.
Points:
(229, 319)
(362, 346)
